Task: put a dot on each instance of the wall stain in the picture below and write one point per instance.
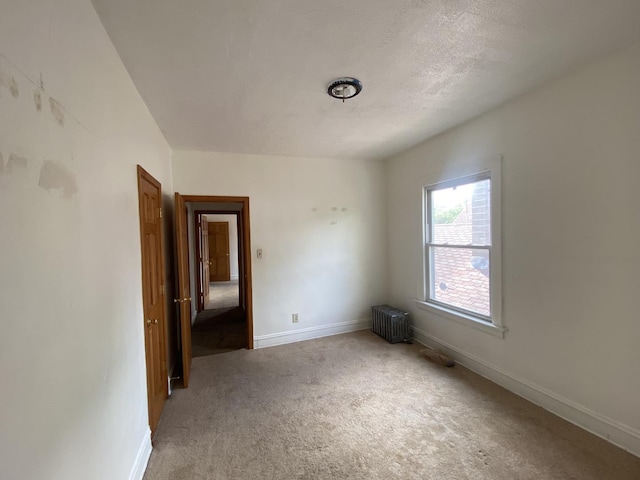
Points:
(37, 99)
(57, 177)
(10, 84)
(16, 161)
(57, 110)
(13, 88)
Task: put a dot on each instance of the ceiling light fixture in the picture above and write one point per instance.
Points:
(344, 87)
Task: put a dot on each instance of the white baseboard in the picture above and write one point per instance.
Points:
(293, 336)
(615, 432)
(142, 458)
(235, 277)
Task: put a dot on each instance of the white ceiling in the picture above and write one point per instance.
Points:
(250, 76)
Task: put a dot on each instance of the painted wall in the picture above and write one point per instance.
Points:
(320, 224)
(571, 239)
(72, 129)
(233, 240)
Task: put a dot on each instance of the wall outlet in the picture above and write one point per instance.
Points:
(294, 318)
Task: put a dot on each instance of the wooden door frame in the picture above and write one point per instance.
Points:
(143, 174)
(244, 241)
(199, 286)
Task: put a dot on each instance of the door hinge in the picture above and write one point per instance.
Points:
(160, 210)
(161, 289)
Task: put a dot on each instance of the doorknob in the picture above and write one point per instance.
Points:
(155, 321)
(148, 322)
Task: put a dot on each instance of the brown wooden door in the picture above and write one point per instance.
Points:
(183, 292)
(150, 204)
(205, 262)
(219, 251)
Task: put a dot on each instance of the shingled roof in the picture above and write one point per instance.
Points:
(457, 281)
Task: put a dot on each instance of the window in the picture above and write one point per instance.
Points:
(461, 243)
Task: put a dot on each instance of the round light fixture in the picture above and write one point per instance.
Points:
(344, 87)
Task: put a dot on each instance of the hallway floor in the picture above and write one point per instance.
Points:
(219, 331)
(223, 295)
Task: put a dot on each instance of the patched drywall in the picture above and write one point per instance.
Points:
(320, 224)
(570, 241)
(10, 84)
(57, 111)
(57, 177)
(72, 360)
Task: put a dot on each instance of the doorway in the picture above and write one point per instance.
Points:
(220, 322)
(207, 331)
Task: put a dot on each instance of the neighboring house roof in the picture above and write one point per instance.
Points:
(457, 281)
(453, 233)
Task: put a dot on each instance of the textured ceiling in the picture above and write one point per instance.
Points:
(250, 76)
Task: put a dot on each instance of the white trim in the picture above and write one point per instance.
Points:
(310, 333)
(604, 427)
(142, 458)
(461, 318)
(235, 277)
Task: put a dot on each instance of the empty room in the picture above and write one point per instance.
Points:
(319, 240)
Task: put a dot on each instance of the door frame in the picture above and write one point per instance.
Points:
(244, 250)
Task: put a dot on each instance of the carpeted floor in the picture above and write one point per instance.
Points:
(223, 295)
(218, 331)
(356, 407)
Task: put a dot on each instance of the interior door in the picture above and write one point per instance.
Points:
(206, 263)
(184, 296)
(150, 204)
(219, 251)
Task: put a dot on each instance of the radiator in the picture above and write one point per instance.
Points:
(391, 323)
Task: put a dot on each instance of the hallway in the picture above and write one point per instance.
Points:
(219, 331)
(221, 327)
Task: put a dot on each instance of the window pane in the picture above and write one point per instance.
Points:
(461, 215)
(460, 277)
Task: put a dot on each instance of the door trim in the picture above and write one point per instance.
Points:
(244, 234)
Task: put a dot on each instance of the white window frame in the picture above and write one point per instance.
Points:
(491, 169)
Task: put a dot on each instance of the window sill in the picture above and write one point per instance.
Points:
(462, 319)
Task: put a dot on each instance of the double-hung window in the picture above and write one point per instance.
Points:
(461, 243)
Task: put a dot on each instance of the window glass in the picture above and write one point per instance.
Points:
(460, 278)
(461, 215)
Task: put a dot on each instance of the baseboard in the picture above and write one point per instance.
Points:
(142, 458)
(614, 432)
(310, 333)
(235, 277)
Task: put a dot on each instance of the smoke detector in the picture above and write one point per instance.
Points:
(344, 87)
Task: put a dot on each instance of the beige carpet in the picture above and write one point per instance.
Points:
(356, 407)
(223, 295)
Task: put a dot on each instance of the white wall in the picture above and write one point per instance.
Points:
(571, 242)
(73, 397)
(233, 240)
(320, 224)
